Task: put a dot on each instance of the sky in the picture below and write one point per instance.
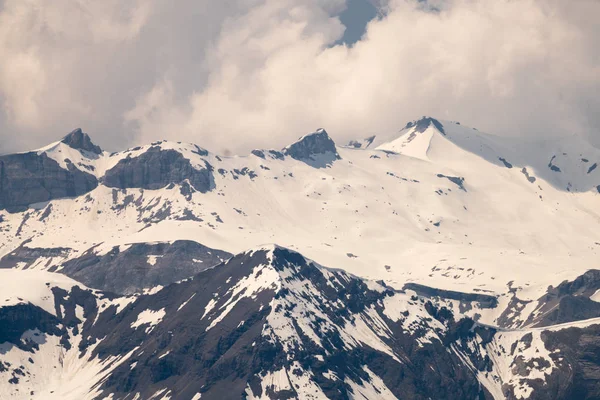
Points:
(234, 75)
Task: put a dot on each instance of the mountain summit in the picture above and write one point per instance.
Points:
(422, 124)
(316, 149)
(80, 140)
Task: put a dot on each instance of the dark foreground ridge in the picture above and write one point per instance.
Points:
(270, 323)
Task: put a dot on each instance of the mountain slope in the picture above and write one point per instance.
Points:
(272, 324)
(480, 254)
(461, 221)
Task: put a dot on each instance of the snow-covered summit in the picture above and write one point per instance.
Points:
(415, 140)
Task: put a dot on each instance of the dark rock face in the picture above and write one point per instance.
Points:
(316, 149)
(570, 309)
(424, 123)
(530, 178)
(363, 144)
(277, 155)
(484, 300)
(143, 265)
(458, 181)
(157, 168)
(24, 256)
(16, 320)
(552, 166)
(506, 163)
(569, 301)
(584, 285)
(31, 178)
(592, 168)
(578, 357)
(81, 141)
(259, 153)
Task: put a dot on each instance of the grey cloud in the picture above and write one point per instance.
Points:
(239, 74)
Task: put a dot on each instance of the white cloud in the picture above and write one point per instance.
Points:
(240, 74)
(51, 53)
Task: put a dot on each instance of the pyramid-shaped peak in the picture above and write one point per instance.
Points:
(312, 146)
(422, 124)
(80, 140)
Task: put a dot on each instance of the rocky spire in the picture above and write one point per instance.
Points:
(313, 146)
(81, 141)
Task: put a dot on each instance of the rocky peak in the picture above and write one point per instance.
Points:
(79, 140)
(424, 123)
(316, 149)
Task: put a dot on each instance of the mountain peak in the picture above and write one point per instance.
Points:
(80, 140)
(416, 138)
(316, 149)
(425, 122)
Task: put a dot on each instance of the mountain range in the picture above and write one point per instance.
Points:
(439, 262)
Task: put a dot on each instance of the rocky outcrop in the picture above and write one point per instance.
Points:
(157, 168)
(568, 302)
(458, 181)
(484, 300)
(16, 320)
(424, 123)
(576, 352)
(33, 178)
(316, 149)
(141, 265)
(24, 257)
(81, 141)
(362, 144)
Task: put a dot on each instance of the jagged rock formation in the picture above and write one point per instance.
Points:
(568, 302)
(24, 257)
(422, 124)
(316, 149)
(79, 140)
(157, 168)
(362, 144)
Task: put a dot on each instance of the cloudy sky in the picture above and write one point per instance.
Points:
(231, 75)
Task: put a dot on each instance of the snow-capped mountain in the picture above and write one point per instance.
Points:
(270, 324)
(462, 266)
